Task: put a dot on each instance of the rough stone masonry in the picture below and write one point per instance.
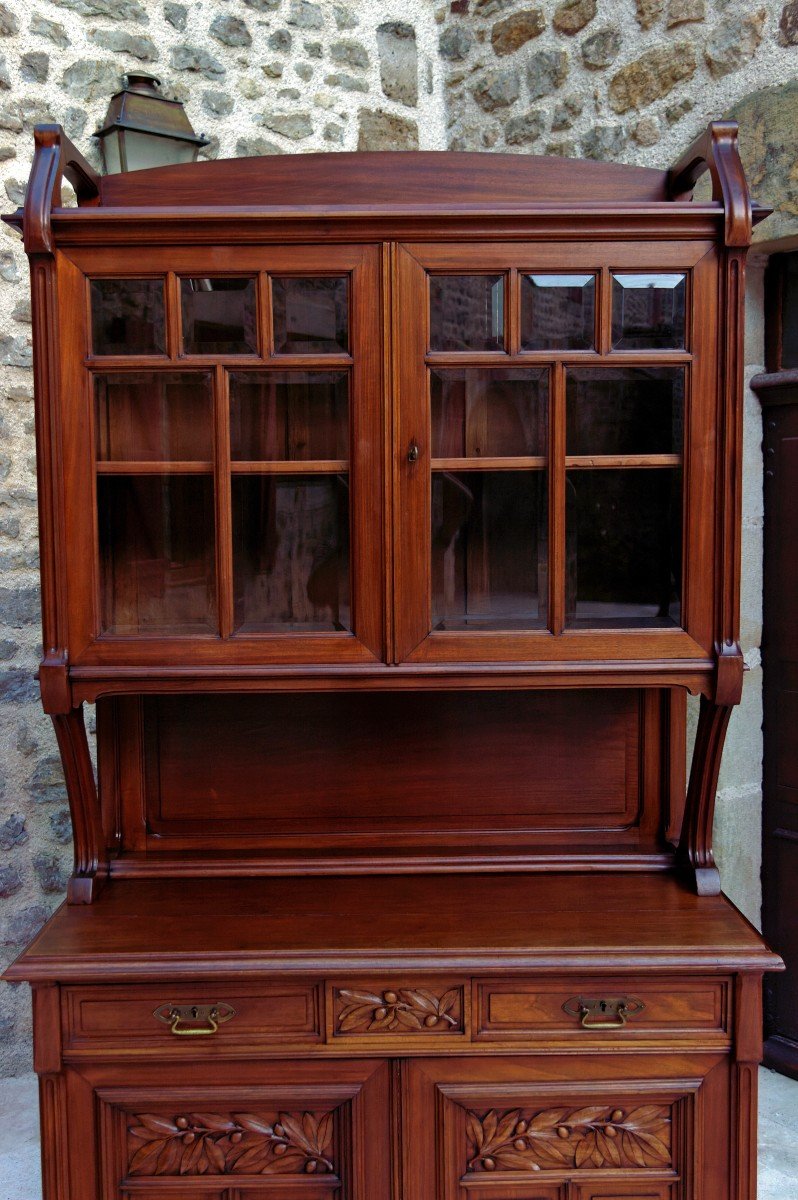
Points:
(630, 80)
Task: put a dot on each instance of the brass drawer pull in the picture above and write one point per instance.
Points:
(603, 1013)
(194, 1020)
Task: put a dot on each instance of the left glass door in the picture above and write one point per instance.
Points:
(228, 412)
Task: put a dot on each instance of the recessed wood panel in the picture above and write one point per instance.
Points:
(287, 764)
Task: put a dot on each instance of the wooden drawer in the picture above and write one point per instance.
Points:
(123, 1019)
(593, 1008)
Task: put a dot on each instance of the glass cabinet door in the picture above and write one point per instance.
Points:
(236, 408)
(554, 403)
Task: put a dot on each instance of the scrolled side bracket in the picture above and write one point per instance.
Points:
(54, 157)
(717, 151)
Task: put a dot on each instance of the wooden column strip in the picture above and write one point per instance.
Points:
(557, 556)
(223, 498)
(174, 335)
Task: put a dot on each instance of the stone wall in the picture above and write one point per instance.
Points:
(625, 79)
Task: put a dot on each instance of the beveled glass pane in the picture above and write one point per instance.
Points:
(311, 315)
(558, 312)
(479, 412)
(154, 416)
(466, 312)
(625, 410)
(648, 312)
(157, 555)
(291, 553)
(127, 316)
(280, 415)
(489, 549)
(624, 548)
(219, 316)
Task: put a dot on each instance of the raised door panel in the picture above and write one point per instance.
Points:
(593, 1126)
(222, 421)
(554, 451)
(245, 1132)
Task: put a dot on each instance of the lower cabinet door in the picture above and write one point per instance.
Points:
(229, 1131)
(581, 1127)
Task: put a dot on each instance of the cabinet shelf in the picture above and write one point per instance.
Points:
(331, 466)
(154, 468)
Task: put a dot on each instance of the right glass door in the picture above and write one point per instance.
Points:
(554, 450)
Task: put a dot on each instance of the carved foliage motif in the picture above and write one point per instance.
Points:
(229, 1144)
(559, 1138)
(408, 1010)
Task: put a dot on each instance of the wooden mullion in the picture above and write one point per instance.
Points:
(265, 316)
(604, 312)
(529, 463)
(155, 467)
(626, 462)
(223, 497)
(542, 358)
(557, 551)
(513, 317)
(173, 316)
(296, 466)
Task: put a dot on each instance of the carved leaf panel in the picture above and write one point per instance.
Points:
(564, 1138)
(201, 1143)
(403, 1010)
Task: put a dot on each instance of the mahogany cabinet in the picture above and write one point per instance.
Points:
(389, 509)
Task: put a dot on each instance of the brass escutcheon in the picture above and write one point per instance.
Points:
(606, 1013)
(194, 1020)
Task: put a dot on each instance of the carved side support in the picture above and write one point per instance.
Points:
(716, 150)
(53, 1122)
(695, 846)
(54, 157)
(91, 857)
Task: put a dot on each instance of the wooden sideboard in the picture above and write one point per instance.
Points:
(390, 509)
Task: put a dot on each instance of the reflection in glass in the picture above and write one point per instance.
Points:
(157, 554)
(625, 410)
(127, 316)
(280, 415)
(482, 412)
(489, 550)
(624, 548)
(154, 417)
(648, 312)
(219, 316)
(291, 553)
(311, 316)
(466, 312)
(557, 312)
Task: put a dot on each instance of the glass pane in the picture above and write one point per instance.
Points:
(648, 312)
(219, 316)
(557, 312)
(291, 553)
(289, 415)
(479, 412)
(466, 312)
(625, 410)
(624, 547)
(489, 550)
(789, 314)
(157, 560)
(127, 316)
(154, 417)
(311, 316)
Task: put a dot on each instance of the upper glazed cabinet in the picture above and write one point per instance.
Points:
(493, 438)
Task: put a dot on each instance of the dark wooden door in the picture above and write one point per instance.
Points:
(780, 653)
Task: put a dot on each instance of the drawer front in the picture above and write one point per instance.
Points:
(196, 1016)
(396, 1012)
(601, 1008)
